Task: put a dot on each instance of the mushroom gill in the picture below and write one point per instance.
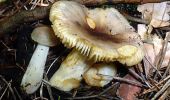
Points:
(100, 34)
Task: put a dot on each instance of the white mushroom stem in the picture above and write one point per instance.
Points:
(69, 75)
(100, 74)
(34, 73)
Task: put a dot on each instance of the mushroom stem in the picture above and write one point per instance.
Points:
(69, 75)
(34, 73)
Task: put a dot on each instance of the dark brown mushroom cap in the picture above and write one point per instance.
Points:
(100, 34)
(44, 35)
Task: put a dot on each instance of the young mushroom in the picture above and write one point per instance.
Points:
(69, 75)
(32, 78)
(100, 74)
(100, 34)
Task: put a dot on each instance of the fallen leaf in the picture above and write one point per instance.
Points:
(152, 13)
(128, 91)
(153, 48)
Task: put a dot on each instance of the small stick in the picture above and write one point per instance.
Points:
(164, 48)
(152, 65)
(154, 87)
(94, 96)
(17, 94)
(3, 93)
(162, 53)
(48, 87)
(10, 24)
(165, 94)
(167, 84)
(167, 70)
(100, 2)
(9, 86)
(41, 91)
(126, 81)
(134, 19)
(129, 82)
(132, 72)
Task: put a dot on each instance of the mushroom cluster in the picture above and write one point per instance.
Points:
(76, 67)
(99, 37)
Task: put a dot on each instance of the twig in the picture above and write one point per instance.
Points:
(41, 91)
(139, 20)
(17, 94)
(129, 82)
(48, 88)
(142, 79)
(10, 24)
(164, 48)
(132, 72)
(100, 2)
(52, 64)
(146, 81)
(167, 70)
(152, 65)
(9, 86)
(39, 98)
(114, 78)
(165, 94)
(119, 79)
(162, 53)
(94, 96)
(134, 19)
(167, 84)
(3, 93)
(158, 84)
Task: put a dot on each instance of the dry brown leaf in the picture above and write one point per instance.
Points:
(156, 13)
(152, 50)
(128, 91)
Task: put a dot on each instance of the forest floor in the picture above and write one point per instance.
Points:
(17, 20)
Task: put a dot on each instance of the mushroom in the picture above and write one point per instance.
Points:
(69, 75)
(100, 34)
(95, 38)
(70, 72)
(32, 78)
(100, 74)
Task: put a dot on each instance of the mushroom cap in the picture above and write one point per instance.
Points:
(97, 33)
(100, 74)
(44, 35)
